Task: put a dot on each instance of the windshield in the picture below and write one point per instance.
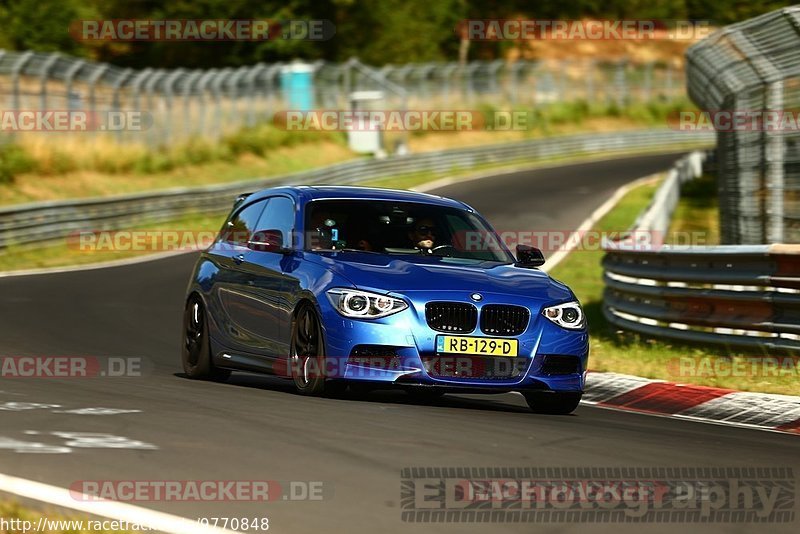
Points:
(388, 227)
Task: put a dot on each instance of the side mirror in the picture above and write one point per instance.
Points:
(268, 241)
(528, 256)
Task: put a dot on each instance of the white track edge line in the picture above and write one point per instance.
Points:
(99, 265)
(575, 237)
(693, 419)
(63, 498)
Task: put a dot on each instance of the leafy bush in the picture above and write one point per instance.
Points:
(14, 160)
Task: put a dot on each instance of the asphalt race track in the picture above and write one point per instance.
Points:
(255, 428)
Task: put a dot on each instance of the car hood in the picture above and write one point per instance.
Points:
(390, 274)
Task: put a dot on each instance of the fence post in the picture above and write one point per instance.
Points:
(188, 86)
(169, 92)
(250, 79)
(115, 88)
(16, 70)
(202, 87)
(589, 81)
(216, 89)
(99, 71)
(69, 77)
(774, 152)
(46, 66)
(620, 83)
(149, 87)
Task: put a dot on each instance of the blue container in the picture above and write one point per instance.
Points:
(297, 84)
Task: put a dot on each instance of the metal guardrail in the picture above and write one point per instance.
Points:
(743, 296)
(31, 223)
(656, 219)
(187, 103)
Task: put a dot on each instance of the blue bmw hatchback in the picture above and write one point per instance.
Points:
(347, 286)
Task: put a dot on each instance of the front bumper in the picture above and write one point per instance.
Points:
(401, 349)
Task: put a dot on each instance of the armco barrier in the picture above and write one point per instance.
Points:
(745, 296)
(43, 221)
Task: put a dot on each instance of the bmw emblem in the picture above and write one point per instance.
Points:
(477, 297)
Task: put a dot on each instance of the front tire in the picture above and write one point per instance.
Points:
(553, 403)
(307, 353)
(196, 349)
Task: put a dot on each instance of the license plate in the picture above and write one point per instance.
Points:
(482, 346)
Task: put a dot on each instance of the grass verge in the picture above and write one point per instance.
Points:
(696, 218)
(37, 167)
(629, 353)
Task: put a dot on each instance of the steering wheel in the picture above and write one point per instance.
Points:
(434, 250)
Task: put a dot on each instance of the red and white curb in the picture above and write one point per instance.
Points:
(763, 411)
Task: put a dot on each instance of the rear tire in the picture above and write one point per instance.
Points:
(553, 403)
(196, 349)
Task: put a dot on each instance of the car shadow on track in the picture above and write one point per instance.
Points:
(506, 402)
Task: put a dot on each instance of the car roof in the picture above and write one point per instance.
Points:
(306, 193)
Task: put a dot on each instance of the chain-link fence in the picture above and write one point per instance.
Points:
(753, 68)
(209, 103)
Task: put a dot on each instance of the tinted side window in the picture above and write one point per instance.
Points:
(279, 215)
(242, 226)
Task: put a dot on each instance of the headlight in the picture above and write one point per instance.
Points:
(568, 315)
(363, 304)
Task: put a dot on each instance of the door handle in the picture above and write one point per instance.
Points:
(238, 259)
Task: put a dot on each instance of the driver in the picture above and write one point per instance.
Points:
(423, 234)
